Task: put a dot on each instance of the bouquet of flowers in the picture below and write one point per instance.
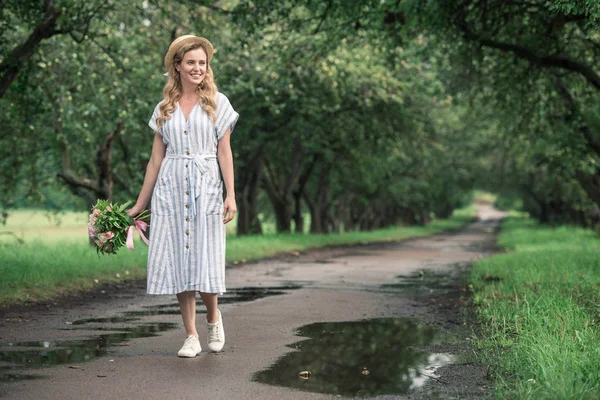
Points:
(110, 227)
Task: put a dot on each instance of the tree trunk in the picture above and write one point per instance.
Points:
(298, 217)
(248, 222)
(283, 216)
(280, 189)
(315, 215)
(319, 205)
(299, 193)
(102, 186)
(281, 207)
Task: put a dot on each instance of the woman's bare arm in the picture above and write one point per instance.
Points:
(159, 149)
(225, 157)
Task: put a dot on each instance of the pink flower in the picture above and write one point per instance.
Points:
(104, 237)
(94, 216)
(108, 248)
(91, 230)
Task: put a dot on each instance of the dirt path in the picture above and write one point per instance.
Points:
(124, 345)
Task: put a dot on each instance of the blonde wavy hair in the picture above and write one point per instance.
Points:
(206, 90)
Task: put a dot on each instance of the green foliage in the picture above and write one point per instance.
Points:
(367, 113)
(356, 122)
(538, 305)
(528, 70)
(589, 8)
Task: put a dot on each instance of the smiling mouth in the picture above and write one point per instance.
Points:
(196, 76)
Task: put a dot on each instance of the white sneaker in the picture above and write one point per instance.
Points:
(216, 335)
(191, 347)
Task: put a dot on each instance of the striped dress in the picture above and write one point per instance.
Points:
(187, 239)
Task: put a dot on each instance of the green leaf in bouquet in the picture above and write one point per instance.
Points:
(125, 206)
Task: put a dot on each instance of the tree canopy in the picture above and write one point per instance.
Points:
(363, 114)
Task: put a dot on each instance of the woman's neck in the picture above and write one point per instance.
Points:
(188, 93)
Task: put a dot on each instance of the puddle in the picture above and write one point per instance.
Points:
(425, 282)
(38, 354)
(110, 320)
(361, 358)
(239, 295)
(10, 377)
(316, 261)
(254, 293)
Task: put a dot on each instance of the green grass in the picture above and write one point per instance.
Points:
(38, 225)
(539, 305)
(40, 269)
(29, 225)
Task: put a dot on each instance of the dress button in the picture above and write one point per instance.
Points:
(186, 132)
(187, 152)
(186, 165)
(187, 232)
(187, 219)
(187, 205)
(187, 192)
(187, 246)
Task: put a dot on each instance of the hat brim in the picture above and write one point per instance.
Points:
(182, 41)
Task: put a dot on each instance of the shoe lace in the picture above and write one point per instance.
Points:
(188, 341)
(213, 333)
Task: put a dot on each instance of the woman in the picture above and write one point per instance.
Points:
(192, 126)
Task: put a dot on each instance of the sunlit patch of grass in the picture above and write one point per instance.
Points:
(539, 305)
(45, 226)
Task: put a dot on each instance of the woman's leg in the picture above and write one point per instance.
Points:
(216, 334)
(211, 301)
(187, 305)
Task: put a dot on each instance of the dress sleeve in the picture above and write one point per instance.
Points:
(152, 122)
(226, 116)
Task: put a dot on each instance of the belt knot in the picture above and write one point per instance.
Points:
(196, 173)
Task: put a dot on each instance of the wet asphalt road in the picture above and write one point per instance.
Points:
(322, 286)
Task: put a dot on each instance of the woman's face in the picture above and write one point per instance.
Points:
(192, 68)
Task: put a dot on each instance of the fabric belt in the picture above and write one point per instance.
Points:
(195, 174)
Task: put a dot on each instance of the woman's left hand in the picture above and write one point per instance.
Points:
(229, 209)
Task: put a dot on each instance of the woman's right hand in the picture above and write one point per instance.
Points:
(134, 211)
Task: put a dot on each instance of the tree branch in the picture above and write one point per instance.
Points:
(272, 181)
(552, 61)
(12, 64)
(323, 17)
(573, 116)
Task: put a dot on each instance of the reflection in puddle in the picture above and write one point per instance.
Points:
(423, 373)
(110, 320)
(7, 377)
(34, 354)
(37, 354)
(360, 358)
(425, 282)
(239, 295)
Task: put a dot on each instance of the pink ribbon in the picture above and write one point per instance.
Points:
(141, 228)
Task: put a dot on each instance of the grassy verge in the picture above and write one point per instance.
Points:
(40, 270)
(539, 305)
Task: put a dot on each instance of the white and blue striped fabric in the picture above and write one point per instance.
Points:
(187, 235)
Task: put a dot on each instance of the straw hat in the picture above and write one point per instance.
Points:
(184, 41)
